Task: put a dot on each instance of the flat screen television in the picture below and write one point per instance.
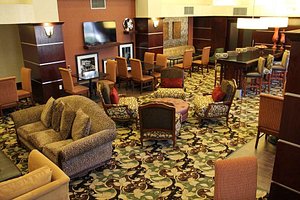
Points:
(97, 33)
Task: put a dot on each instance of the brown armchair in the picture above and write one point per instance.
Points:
(8, 93)
(269, 117)
(206, 108)
(159, 121)
(26, 91)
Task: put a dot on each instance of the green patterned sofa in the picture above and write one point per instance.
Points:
(74, 155)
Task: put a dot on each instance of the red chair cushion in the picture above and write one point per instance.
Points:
(218, 94)
(171, 82)
(114, 96)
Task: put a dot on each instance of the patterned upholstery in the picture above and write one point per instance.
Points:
(163, 92)
(125, 110)
(159, 121)
(205, 107)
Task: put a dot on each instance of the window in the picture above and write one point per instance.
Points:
(98, 4)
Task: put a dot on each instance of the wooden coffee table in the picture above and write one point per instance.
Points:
(8, 170)
(180, 105)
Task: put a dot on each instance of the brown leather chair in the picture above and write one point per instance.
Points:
(187, 61)
(160, 64)
(123, 74)
(269, 117)
(159, 121)
(68, 84)
(8, 93)
(26, 91)
(145, 81)
(149, 57)
(111, 73)
(236, 178)
(204, 59)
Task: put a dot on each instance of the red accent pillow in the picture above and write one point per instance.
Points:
(171, 82)
(218, 94)
(114, 96)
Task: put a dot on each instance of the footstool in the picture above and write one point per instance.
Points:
(180, 105)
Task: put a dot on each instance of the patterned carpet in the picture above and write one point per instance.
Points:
(158, 171)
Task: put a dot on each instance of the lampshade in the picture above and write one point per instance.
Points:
(278, 22)
(251, 23)
(224, 2)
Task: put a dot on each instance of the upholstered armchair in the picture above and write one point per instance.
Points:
(172, 83)
(218, 104)
(236, 178)
(159, 121)
(269, 117)
(117, 107)
(26, 91)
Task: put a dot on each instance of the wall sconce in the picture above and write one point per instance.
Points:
(48, 29)
(155, 22)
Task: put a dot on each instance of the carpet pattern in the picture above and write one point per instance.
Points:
(157, 171)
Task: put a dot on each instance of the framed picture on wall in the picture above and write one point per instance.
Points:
(126, 50)
(86, 63)
(104, 61)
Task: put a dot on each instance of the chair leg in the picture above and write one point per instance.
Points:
(257, 139)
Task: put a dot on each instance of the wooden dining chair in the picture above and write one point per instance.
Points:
(279, 71)
(187, 62)
(68, 84)
(123, 74)
(8, 93)
(26, 91)
(111, 73)
(145, 81)
(149, 57)
(204, 59)
(160, 64)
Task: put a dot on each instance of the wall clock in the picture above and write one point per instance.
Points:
(127, 24)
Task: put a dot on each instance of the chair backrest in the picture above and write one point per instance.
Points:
(111, 70)
(236, 178)
(270, 60)
(285, 58)
(149, 57)
(260, 65)
(157, 116)
(67, 79)
(103, 91)
(136, 69)
(229, 88)
(205, 55)
(8, 91)
(122, 66)
(270, 111)
(172, 75)
(187, 58)
(26, 79)
(161, 60)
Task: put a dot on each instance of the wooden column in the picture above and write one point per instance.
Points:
(286, 174)
(44, 55)
(148, 38)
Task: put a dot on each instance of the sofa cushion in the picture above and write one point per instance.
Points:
(15, 187)
(114, 96)
(218, 94)
(56, 115)
(81, 125)
(41, 138)
(28, 129)
(52, 150)
(172, 82)
(47, 112)
(66, 122)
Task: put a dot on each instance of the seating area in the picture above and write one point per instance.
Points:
(149, 100)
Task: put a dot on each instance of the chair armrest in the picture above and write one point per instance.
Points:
(27, 116)
(217, 109)
(86, 144)
(122, 95)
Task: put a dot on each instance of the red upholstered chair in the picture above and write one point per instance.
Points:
(236, 179)
(26, 91)
(8, 93)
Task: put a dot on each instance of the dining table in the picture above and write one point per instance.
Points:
(234, 66)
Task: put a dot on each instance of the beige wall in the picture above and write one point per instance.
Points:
(11, 58)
